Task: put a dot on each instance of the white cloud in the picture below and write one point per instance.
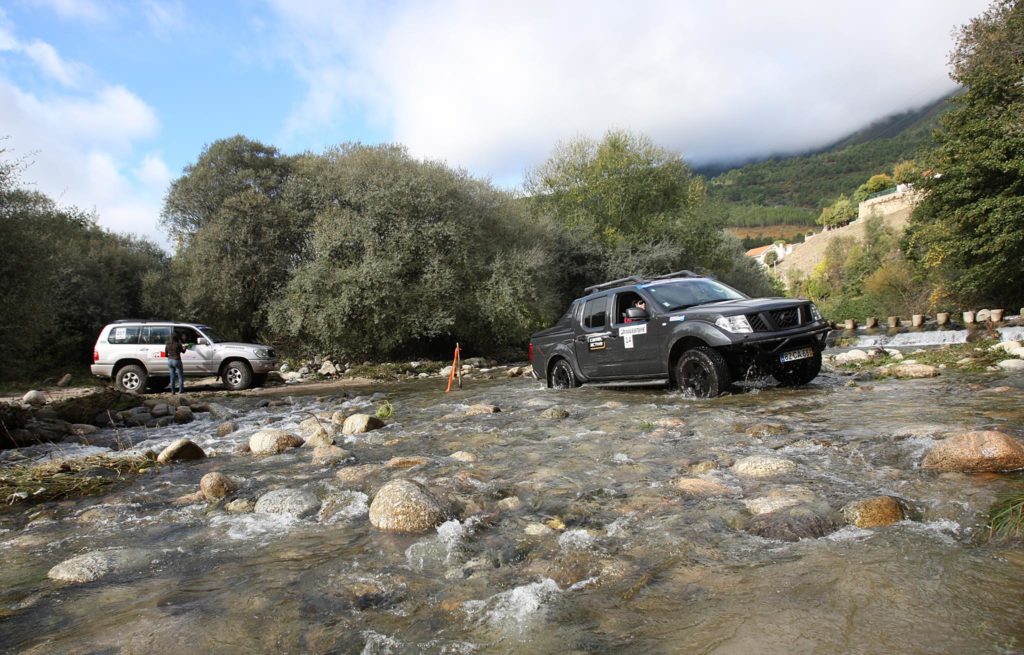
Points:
(164, 17)
(87, 10)
(81, 144)
(492, 86)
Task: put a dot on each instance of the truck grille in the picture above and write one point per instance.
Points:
(777, 319)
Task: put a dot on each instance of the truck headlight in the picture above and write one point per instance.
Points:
(815, 314)
(262, 353)
(734, 323)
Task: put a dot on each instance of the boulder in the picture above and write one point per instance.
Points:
(224, 429)
(216, 486)
(160, 409)
(98, 564)
(183, 415)
(311, 424)
(851, 356)
(64, 381)
(328, 369)
(181, 450)
(360, 423)
(793, 524)
(702, 487)
(777, 499)
(1011, 364)
(405, 506)
(272, 441)
(908, 370)
(762, 466)
(338, 417)
(319, 438)
(556, 413)
(483, 408)
(875, 512)
(34, 397)
(329, 454)
(975, 452)
(240, 506)
(294, 502)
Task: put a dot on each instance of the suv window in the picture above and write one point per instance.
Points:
(187, 335)
(155, 336)
(594, 312)
(121, 335)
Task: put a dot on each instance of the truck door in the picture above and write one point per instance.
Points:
(641, 340)
(594, 338)
(197, 358)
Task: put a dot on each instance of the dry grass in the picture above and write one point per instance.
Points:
(61, 479)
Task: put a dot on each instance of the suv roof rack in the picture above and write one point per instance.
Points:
(676, 274)
(632, 279)
(142, 320)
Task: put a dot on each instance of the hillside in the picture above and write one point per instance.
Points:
(811, 180)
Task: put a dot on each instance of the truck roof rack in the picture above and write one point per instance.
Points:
(676, 274)
(632, 279)
(142, 320)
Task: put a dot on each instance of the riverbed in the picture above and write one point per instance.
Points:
(568, 532)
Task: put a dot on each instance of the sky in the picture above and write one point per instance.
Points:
(107, 102)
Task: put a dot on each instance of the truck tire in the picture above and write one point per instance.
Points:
(131, 378)
(800, 372)
(237, 375)
(562, 376)
(703, 372)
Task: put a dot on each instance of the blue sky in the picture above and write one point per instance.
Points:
(108, 101)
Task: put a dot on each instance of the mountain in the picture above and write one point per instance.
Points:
(812, 180)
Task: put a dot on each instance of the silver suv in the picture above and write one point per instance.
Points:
(132, 354)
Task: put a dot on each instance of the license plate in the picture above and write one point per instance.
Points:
(793, 355)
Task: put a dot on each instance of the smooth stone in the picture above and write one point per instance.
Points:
(329, 454)
(974, 452)
(1011, 364)
(766, 430)
(792, 524)
(556, 413)
(216, 486)
(294, 502)
(224, 429)
(319, 438)
(34, 397)
(762, 466)
(360, 423)
(702, 487)
(183, 415)
(405, 506)
(160, 409)
(908, 370)
(181, 450)
(406, 462)
(875, 512)
(476, 410)
(240, 506)
(98, 564)
(272, 441)
(463, 456)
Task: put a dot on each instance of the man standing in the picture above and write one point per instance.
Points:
(174, 348)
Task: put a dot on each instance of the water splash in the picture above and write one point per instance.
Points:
(932, 338)
(515, 610)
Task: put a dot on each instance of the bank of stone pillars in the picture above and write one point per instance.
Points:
(970, 318)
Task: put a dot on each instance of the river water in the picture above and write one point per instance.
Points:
(601, 555)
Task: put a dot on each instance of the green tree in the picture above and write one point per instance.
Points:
(875, 183)
(905, 172)
(968, 230)
(237, 241)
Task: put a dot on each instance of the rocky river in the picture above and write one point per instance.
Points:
(594, 520)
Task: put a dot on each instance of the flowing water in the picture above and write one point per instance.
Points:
(601, 554)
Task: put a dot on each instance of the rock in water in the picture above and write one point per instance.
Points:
(974, 452)
(181, 450)
(359, 423)
(295, 502)
(272, 441)
(405, 506)
(97, 564)
(34, 398)
(759, 466)
(875, 512)
(216, 486)
(792, 524)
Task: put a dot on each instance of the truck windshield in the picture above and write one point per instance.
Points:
(212, 334)
(680, 294)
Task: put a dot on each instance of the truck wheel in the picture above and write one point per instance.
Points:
(131, 378)
(703, 372)
(237, 375)
(799, 372)
(562, 376)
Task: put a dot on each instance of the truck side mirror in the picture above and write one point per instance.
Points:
(202, 341)
(636, 314)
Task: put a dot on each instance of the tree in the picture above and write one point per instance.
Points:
(968, 231)
(236, 239)
(905, 172)
(875, 183)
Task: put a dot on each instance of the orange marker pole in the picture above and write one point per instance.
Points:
(455, 367)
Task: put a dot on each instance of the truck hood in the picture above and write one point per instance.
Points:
(744, 306)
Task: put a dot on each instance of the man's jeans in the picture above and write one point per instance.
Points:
(174, 365)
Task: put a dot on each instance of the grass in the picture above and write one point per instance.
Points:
(978, 351)
(393, 370)
(1006, 518)
(62, 479)
(385, 410)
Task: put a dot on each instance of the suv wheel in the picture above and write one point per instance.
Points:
(799, 372)
(562, 376)
(237, 375)
(131, 378)
(702, 372)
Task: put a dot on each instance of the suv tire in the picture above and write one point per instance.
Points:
(562, 375)
(237, 375)
(702, 371)
(131, 378)
(800, 372)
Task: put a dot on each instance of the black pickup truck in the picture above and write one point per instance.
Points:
(692, 331)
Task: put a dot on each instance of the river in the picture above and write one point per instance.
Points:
(568, 535)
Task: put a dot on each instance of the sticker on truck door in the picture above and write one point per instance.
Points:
(596, 343)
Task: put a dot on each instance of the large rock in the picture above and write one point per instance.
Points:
(1011, 364)
(482, 408)
(34, 397)
(762, 466)
(405, 506)
(294, 502)
(181, 450)
(319, 438)
(976, 451)
(875, 512)
(793, 524)
(328, 369)
(97, 564)
(216, 486)
(702, 487)
(852, 356)
(359, 423)
(907, 370)
(272, 441)
(183, 415)
(777, 499)
(329, 455)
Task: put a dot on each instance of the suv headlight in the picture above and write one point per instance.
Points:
(262, 353)
(734, 323)
(815, 314)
